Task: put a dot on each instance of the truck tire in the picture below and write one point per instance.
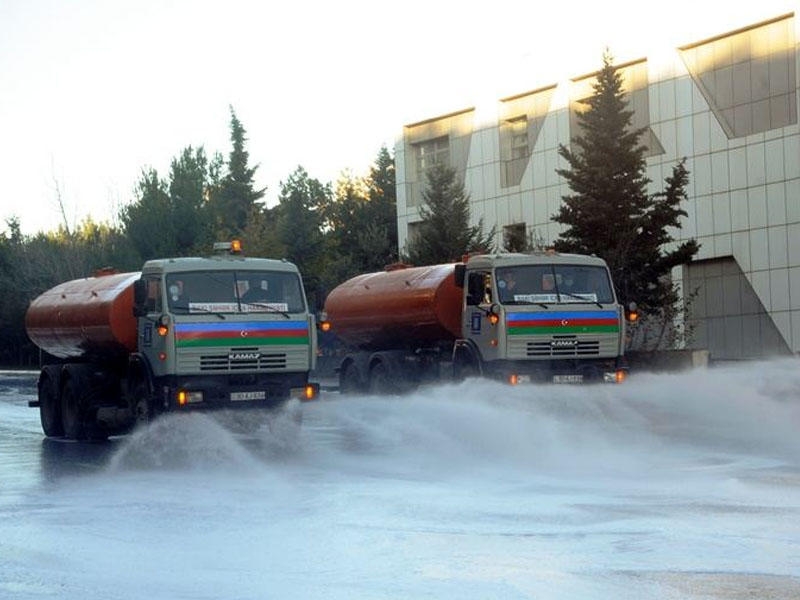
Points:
(142, 404)
(50, 406)
(72, 411)
(465, 366)
(350, 379)
(380, 380)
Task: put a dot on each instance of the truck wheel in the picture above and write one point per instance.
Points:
(142, 404)
(380, 381)
(349, 379)
(50, 408)
(464, 367)
(72, 413)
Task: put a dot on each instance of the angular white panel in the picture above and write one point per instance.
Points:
(756, 170)
(773, 153)
(737, 161)
(776, 204)
(779, 289)
(794, 289)
(720, 181)
(701, 136)
(760, 282)
(793, 239)
(705, 215)
(757, 207)
(759, 249)
(778, 247)
(741, 249)
(722, 213)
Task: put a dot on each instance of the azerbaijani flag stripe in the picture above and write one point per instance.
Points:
(241, 333)
(563, 329)
(238, 326)
(606, 321)
(218, 335)
(246, 341)
(547, 315)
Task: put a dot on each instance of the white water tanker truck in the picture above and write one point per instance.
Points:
(219, 332)
(542, 317)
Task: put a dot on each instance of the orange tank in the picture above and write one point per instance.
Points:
(400, 308)
(92, 316)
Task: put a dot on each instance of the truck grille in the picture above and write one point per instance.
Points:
(243, 359)
(224, 362)
(563, 347)
(558, 346)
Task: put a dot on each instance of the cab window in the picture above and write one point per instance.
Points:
(152, 302)
(479, 288)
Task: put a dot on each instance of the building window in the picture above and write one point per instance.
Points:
(515, 150)
(430, 153)
(515, 238)
(748, 77)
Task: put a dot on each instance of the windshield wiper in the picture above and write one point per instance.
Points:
(527, 303)
(198, 309)
(581, 298)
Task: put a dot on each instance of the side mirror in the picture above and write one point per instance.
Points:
(632, 313)
(460, 274)
(139, 297)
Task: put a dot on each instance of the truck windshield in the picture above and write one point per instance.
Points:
(234, 292)
(553, 284)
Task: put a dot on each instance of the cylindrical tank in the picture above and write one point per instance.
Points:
(399, 308)
(92, 316)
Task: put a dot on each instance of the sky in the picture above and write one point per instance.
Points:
(92, 91)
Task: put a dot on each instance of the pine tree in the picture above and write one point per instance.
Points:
(236, 196)
(610, 213)
(299, 228)
(189, 181)
(379, 238)
(444, 234)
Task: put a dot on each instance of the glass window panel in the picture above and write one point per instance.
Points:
(759, 78)
(761, 115)
(779, 74)
(742, 120)
(779, 115)
(741, 83)
(707, 78)
(724, 87)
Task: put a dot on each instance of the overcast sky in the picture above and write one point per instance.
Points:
(92, 91)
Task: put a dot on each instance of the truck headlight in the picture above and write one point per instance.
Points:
(186, 397)
(617, 376)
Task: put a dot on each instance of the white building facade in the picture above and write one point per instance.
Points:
(729, 104)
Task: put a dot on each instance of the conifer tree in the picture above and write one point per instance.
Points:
(444, 234)
(379, 239)
(236, 196)
(610, 213)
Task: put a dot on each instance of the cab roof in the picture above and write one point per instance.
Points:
(509, 259)
(217, 263)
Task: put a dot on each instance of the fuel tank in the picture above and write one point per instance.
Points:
(398, 308)
(90, 317)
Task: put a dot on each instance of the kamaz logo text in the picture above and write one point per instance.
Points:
(563, 343)
(244, 356)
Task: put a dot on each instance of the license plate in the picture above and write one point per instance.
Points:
(567, 378)
(239, 396)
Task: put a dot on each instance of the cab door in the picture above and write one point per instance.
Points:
(475, 325)
(152, 343)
